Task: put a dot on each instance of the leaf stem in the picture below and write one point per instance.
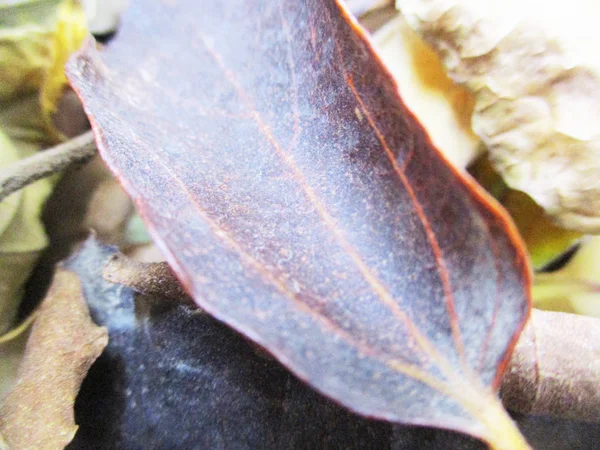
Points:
(45, 163)
(503, 433)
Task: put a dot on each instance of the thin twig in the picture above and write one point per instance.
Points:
(43, 164)
(145, 278)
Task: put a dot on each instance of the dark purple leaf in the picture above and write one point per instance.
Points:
(301, 203)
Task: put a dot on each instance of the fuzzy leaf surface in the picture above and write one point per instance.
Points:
(301, 203)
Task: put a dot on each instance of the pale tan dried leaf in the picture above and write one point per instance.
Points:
(534, 70)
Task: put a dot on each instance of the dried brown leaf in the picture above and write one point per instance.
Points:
(64, 342)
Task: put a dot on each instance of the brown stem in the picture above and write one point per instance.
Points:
(45, 163)
(555, 368)
(145, 278)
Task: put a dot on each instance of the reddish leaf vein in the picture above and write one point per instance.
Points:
(435, 246)
(382, 292)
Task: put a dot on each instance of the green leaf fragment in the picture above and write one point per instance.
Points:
(36, 38)
(22, 235)
(576, 287)
(136, 232)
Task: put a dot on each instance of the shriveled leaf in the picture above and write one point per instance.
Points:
(443, 107)
(301, 203)
(15, 269)
(545, 241)
(38, 412)
(534, 69)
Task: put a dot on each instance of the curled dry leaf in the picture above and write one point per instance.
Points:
(64, 342)
(534, 69)
(300, 202)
